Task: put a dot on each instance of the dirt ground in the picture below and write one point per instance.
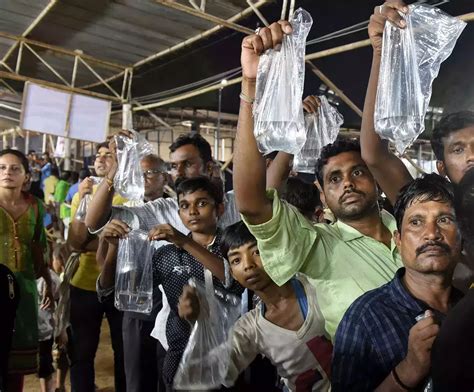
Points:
(104, 366)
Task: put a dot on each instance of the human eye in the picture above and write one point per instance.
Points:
(445, 220)
(183, 206)
(334, 179)
(203, 203)
(3, 167)
(234, 261)
(256, 252)
(458, 149)
(188, 164)
(358, 172)
(415, 222)
(174, 166)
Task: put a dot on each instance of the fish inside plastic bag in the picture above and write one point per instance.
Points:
(134, 273)
(128, 181)
(278, 108)
(205, 361)
(322, 129)
(411, 58)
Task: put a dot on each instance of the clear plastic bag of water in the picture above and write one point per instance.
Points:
(128, 181)
(134, 273)
(205, 361)
(84, 203)
(411, 58)
(322, 129)
(278, 107)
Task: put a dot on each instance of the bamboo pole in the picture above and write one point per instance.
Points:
(203, 15)
(30, 28)
(258, 13)
(334, 88)
(283, 9)
(185, 43)
(58, 49)
(21, 78)
(46, 64)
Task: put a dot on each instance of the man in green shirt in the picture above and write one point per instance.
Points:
(343, 260)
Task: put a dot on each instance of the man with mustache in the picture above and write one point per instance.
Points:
(384, 340)
(343, 260)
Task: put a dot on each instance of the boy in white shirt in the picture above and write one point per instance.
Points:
(287, 326)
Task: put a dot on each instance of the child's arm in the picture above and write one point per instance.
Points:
(209, 260)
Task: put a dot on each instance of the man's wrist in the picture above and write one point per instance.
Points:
(248, 88)
(406, 375)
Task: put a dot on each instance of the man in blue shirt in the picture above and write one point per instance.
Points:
(384, 339)
(83, 173)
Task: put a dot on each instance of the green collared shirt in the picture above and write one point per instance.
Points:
(341, 262)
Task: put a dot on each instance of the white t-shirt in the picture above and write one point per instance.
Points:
(302, 358)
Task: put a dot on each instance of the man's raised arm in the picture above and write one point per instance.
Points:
(388, 170)
(249, 165)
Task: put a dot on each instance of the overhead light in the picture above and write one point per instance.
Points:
(224, 82)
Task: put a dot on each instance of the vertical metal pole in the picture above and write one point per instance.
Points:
(44, 143)
(27, 142)
(217, 132)
(223, 149)
(420, 155)
(18, 58)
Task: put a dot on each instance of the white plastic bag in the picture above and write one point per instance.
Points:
(411, 58)
(128, 181)
(134, 273)
(278, 107)
(205, 360)
(84, 203)
(322, 129)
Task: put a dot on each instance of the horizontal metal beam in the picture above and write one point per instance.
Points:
(203, 15)
(67, 52)
(21, 78)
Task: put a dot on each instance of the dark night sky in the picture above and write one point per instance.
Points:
(453, 89)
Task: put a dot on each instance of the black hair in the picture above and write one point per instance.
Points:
(235, 236)
(74, 177)
(331, 150)
(23, 159)
(303, 195)
(102, 145)
(451, 123)
(54, 170)
(83, 173)
(464, 207)
(197, 141)
(429, 187)
(65, 175)
(191, 185)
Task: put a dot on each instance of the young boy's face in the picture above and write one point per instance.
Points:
(246, 267)
(458, 154)
(198, 211)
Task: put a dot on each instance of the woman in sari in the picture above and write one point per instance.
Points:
(23, 246)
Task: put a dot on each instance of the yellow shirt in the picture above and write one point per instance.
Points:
(49, 188)
(88, 271)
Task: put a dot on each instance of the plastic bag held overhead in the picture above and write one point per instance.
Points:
(205, 361)
(134, 273)
(278, 108)
(411, 58)
(128, 181)
(322, 129)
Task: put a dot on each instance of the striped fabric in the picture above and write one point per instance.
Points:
(372, 337)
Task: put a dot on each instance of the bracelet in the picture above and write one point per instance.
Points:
(244, 97)
(110, 183)
(399, 382)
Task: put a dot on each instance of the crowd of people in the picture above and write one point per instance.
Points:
(337, 293)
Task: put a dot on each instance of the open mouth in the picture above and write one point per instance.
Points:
(252, 279)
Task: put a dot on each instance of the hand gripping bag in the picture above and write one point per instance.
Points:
(134, 273)
(128, 181)
(278, 107)
(205, 360)
(322, 129)
(84, 203)
(411, 59)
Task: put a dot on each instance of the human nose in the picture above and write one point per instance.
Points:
(432, 231)
(248, 262)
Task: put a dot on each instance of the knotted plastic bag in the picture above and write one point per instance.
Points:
(278, 107)
(205, 360)
(322, 129)
(128, 181)
(134, 273)
(84, 203)
(411, 58)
